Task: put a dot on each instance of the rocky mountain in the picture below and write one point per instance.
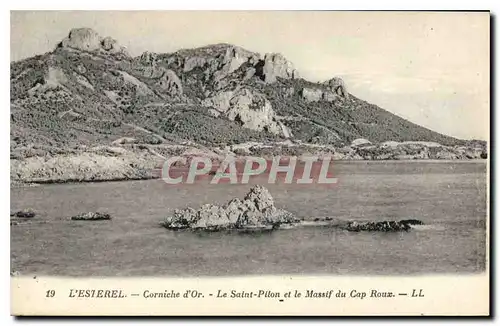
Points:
(89, 92)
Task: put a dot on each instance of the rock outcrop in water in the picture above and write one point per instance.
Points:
(25, 213)
(255, 211)
(384, 226)
(24, 217)
(91, 216)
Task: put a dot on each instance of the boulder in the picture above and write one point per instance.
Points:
(91, 216)
(360, 142)
(170, 83)
(211, 217)
(52, 83)
(275, 65)
(337, 86)
(219, 101)
(86, 39)
(316, 94)
(233, 58)
(251, 109)
(81, 69)
(148, 58)
(255, 211)
(311, 95)
(260, 197)
(111, 45)
(214, 113)
(194, 62)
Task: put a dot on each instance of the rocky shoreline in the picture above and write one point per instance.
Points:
(142, 162)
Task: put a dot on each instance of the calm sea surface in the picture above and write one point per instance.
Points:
(450, 197)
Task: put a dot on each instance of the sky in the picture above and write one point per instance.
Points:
(432, 68)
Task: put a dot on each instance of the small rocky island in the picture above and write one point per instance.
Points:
(255, 212)
(91, 216)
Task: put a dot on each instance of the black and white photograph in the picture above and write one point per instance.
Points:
(192, 144)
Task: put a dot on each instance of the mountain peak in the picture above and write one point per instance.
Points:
(87, 39)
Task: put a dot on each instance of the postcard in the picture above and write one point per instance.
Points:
(250, 163)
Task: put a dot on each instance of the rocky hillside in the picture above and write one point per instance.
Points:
(89, 92)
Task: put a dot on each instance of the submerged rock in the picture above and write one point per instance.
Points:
(255, 211)
(384, 226)
(91, 216)
(412, 222)
(25, 213)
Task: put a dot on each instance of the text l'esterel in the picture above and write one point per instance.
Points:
(96, 293)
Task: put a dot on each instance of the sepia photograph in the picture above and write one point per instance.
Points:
(220, 144)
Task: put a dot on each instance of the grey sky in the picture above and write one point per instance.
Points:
(431, 68)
